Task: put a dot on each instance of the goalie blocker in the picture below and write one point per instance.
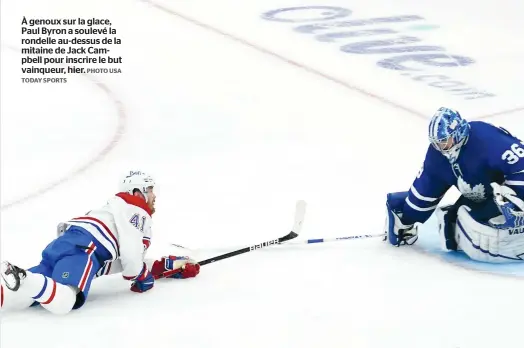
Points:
(496, 240)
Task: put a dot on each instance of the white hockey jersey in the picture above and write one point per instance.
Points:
(123, 227)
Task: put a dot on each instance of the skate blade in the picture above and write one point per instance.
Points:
(10, 276)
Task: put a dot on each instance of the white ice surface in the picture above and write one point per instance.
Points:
(234, 137)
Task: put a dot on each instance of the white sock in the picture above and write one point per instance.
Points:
(11, 300)
(55, 297)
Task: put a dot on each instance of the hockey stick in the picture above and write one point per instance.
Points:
(300, 212)
(337, 239)
(300, 242)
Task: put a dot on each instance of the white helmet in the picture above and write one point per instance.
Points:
(136, 180)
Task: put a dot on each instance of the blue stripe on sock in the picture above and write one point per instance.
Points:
(42, 291)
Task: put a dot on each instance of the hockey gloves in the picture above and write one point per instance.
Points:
(396, 232)
(510, 205)
(144, 281)
(178, 267)
(167, 267)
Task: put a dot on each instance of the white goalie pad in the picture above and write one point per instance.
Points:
(488, 244)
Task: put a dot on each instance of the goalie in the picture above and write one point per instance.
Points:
(486, 164)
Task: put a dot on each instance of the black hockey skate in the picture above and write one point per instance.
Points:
(12, 276)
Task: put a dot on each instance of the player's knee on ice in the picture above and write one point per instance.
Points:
(474, 232)
(65, 299)
(71, 267)
(61, 282)
(55, 297)
(447, 219)
(485, 243)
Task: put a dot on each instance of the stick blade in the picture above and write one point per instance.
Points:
(300, 212)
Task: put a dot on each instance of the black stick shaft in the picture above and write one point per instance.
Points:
(297, 227)
(280, 240)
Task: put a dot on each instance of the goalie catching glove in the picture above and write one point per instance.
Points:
(510, 205)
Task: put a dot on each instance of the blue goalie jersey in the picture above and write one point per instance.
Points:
(491, 154)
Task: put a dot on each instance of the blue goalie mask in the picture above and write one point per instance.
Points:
(448, 132)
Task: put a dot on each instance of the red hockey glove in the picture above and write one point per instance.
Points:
(164, 267)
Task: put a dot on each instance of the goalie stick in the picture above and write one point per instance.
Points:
(336, 239)
(300, 212)
(299, 242)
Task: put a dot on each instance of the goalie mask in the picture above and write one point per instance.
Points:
(448, 132)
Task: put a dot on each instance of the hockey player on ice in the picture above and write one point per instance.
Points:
(486, 164)
(108, 240)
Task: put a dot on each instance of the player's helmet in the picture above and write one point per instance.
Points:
(448, 132)
(136, 180)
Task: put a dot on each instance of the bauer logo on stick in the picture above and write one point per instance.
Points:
(265, 244)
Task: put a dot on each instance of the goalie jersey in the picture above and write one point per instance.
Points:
(491, 154)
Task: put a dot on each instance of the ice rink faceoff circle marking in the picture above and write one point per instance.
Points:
(113, 142)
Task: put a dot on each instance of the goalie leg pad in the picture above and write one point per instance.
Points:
(447, 219)
(485, 243)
